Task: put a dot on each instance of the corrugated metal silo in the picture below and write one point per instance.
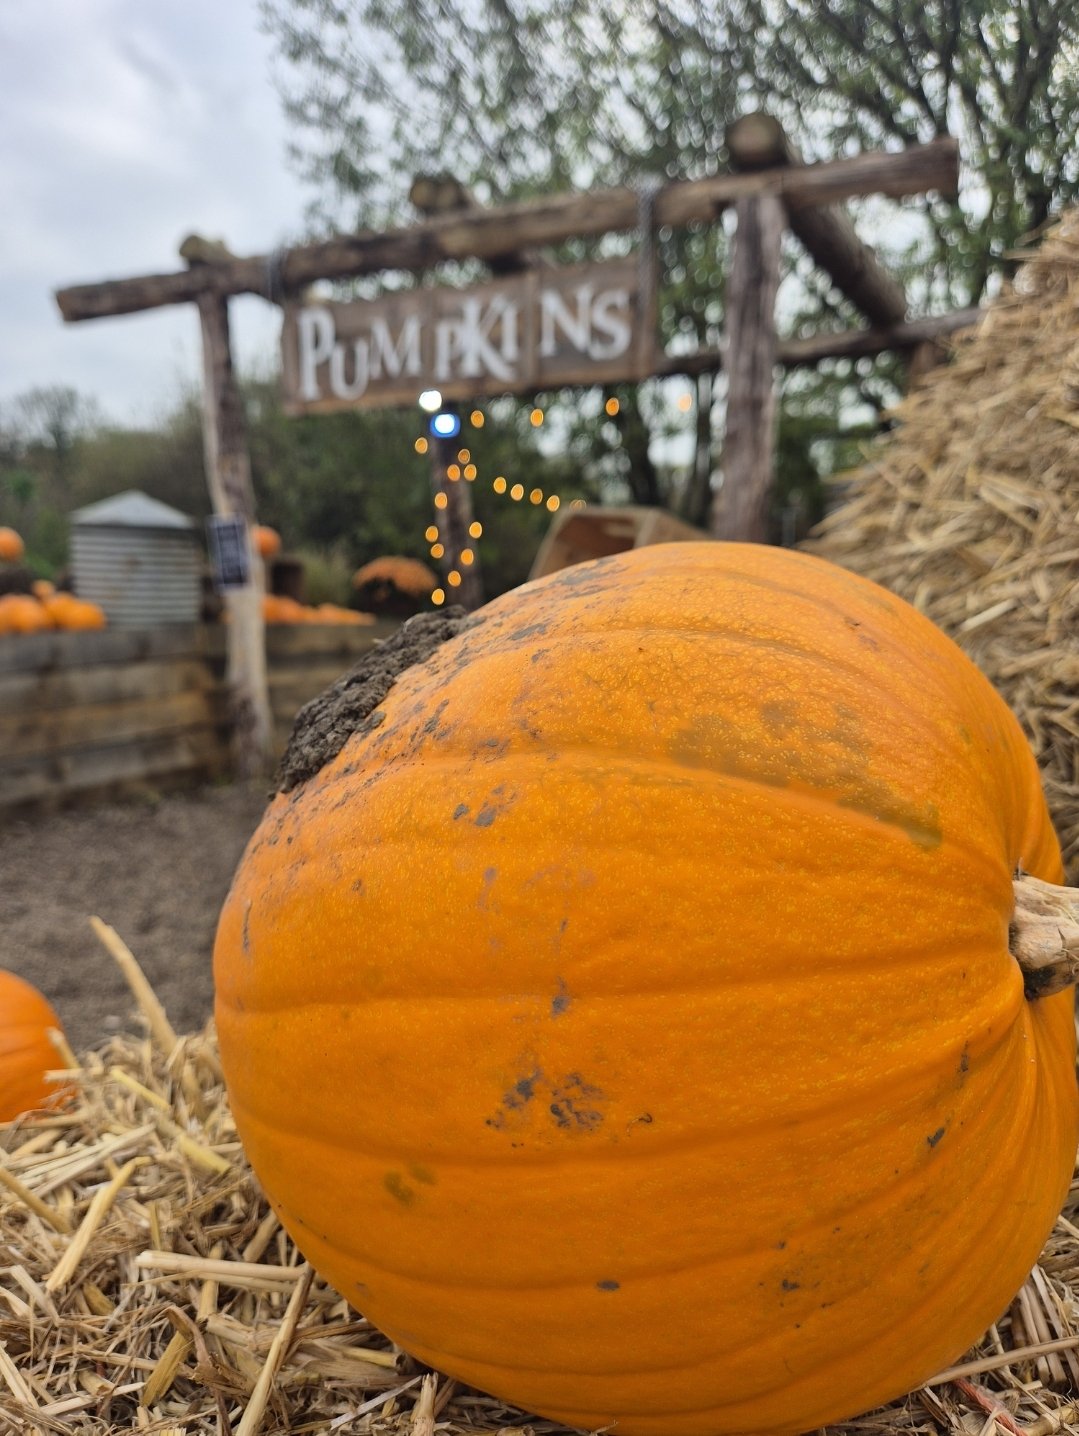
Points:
(137, 558)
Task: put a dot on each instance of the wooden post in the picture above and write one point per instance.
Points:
(228, 476)
(455, 518)
(741, 509)
(757, 142)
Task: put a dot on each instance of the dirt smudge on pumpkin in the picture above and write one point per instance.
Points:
(399, 1189)
(934, 1137)
(561, 1000)
(571, 1103)
(608, 1285)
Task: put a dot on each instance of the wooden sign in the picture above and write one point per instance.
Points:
(584, 324)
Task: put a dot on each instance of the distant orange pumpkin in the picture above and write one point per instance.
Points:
(20, 613)
(267, 541)
(26, 1051)
(11, 545)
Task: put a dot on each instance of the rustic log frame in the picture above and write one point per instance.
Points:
(771, 186)
(486, 234)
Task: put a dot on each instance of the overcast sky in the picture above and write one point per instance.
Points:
(124, 126)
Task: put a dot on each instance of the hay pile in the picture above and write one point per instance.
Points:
(145, 1286)
(970, 508)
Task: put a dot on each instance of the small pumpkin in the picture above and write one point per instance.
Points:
(26, 1051)
(12, 547)
(624, 1020)
(267, 541)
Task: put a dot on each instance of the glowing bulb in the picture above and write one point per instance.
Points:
(470, 472)
(420, 445)
(463, 456)
(430, 401)
(612, 407)
(553, 502)
(467, 556)
(438, 595)
(453, 472)
(577, 504)
(475, 530)
(499, 485)
(437, 550)
(441, 501)
(536, 418)
(453, 578)
(476, 419)
(430, 533)
(536, 496)
(517, 492)
(685, 402)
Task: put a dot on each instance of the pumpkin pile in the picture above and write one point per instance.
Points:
(279, 608)
(616, 1002)
(968, 508)
(30, 613)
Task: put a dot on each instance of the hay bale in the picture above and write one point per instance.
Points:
(969, 508)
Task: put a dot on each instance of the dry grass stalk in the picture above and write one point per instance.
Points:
(161, 1295)
(968, 508)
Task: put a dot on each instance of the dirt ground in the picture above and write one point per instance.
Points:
(156, 871)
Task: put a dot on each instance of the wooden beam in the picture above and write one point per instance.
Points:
(741, 508)
(488, 233)
(758, 143)
(228, 476)
(849, 344)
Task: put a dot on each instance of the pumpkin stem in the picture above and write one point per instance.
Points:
(1044, 935)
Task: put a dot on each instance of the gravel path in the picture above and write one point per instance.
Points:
(157, 872)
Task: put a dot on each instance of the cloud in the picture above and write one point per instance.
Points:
(127, 126)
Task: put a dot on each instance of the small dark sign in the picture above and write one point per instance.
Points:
(230, 552)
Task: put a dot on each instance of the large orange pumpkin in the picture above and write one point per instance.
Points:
(624, 1020)
(26, 1052)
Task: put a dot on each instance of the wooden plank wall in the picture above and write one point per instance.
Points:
(87, 715)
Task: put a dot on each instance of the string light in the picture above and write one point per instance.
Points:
(612, 407)
(476, 419)
(536, 496)
(517, 492)
(437, 550)
(453, 472)
(499, 485)
(441, 501)
(431, 533)
(438, 595)
(475, 530)
(685, 402)
(463, 456)
(467, 556)
(453, 578)
(470, 472)
(420, 445)
(576, 503)
(553, 502)
(536, 418)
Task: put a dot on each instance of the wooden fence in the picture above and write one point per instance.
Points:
(101, 714)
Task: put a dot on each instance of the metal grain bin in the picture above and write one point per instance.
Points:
(137, 558)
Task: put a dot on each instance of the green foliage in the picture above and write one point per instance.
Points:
(518, 97)
(341, 489)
